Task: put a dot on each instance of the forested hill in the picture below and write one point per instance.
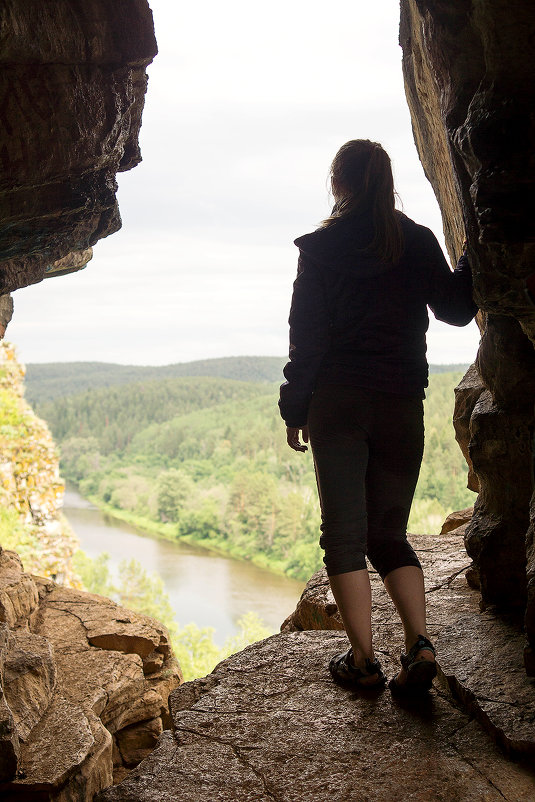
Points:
(206, 459)
(46, 382)
(52, 380)
(114, 415)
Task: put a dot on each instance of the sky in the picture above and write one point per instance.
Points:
(247, 105)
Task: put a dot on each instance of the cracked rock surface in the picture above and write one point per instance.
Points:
(479, 652)
(270, 724)
(84, 688)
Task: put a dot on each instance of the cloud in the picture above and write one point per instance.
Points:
(246, 107)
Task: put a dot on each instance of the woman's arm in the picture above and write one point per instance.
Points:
(309, 343)
(449, 294)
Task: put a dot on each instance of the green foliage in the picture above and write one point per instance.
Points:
(144, 593)
(136, 588)
(16, 536)
(112, 416)
(198, 654)
(173, 489)
(201, 523)
(208, 458)
(57, 380)
(95, 573)
(196, 651)
(444, 474)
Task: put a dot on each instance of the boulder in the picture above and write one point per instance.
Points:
(83, 694)
(456, 522)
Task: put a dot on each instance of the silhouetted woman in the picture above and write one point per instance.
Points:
(355, 384)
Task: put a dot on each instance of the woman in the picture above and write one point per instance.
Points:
(355, 384)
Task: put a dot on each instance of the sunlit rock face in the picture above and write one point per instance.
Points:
(470, 83)
(84, 686)
(72, 93)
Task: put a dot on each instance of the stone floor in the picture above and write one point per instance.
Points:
(480, 652)
(269, 723)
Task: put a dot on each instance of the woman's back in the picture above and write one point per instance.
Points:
(375, 311)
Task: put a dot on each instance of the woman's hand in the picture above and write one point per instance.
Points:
(292, 438)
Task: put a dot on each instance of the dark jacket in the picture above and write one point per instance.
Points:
(355, 320)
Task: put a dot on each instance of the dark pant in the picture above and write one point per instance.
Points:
(367, 449)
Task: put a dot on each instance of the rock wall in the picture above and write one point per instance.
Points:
(72, 90)
(84, 686)
(470, 84)
(31, 489)
(83, 682)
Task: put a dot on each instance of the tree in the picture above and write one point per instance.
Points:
(173, 488)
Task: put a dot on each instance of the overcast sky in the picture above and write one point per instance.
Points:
(246, 106)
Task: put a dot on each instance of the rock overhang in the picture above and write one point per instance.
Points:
(73, 86)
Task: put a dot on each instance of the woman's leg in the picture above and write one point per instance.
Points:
(396, 448)
(353, 596)
(340, 448)
(405, 587)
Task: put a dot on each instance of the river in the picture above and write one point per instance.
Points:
(203, 587)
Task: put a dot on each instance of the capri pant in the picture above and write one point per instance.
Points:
(367, 448)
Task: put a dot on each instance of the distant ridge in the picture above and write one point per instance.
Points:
(45, 382)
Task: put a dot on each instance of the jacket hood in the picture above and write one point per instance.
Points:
(343, 245)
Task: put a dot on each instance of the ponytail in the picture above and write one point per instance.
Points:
(362, 182)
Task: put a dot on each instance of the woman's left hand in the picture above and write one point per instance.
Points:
(292, 438)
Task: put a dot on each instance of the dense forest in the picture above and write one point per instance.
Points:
(45, 382)
(205, 459)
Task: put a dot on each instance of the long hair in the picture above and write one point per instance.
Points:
(362, 182)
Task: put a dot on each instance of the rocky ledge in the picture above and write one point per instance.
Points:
(269, 723)
(480, 650)
(84, 688)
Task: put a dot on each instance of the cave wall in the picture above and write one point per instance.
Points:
(469, 76)
(72, 91)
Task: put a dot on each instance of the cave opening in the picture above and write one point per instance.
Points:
(469, 83)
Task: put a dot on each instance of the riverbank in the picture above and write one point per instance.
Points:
(167, 531)
(206, 588)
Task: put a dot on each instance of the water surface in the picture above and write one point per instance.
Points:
(206, 588)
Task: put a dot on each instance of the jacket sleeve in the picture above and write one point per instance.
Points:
(449, 294)
(309, 342)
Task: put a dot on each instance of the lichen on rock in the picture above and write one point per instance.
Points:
(31, 489)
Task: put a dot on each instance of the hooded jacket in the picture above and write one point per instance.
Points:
(355, 320)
